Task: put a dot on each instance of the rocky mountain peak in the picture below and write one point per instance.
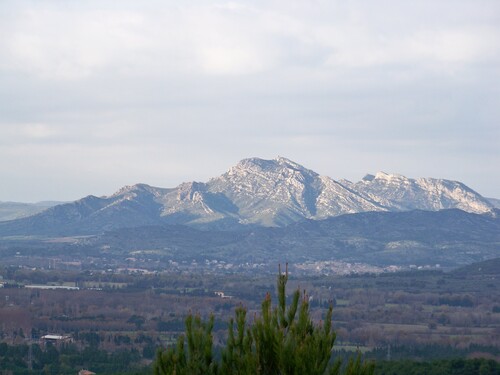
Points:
(131, 190)
(190, 190)
(277, 165)
(400, 193)
(390, 177)
(261, 176)
(287, 163)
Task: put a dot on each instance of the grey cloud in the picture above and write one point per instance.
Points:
(98, 94)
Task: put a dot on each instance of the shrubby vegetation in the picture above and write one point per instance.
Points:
(431, 352)
(67, 359)
(283, 340)
(441, 367)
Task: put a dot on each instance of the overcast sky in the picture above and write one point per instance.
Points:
(95, 95)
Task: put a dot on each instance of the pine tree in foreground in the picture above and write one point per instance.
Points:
(282, 340)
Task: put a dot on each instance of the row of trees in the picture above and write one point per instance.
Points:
(442, 367)
(67, 359)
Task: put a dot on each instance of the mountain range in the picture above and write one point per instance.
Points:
(255, 192)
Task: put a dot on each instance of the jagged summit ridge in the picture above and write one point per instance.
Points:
(257, 191)
(400, 193)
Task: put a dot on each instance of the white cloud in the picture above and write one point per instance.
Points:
(75, 41)
(72, 44)
(38, 131)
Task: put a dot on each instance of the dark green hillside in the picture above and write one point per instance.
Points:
(487, 267)
(450, 238)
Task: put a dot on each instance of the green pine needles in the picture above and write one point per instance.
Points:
(282, 340)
